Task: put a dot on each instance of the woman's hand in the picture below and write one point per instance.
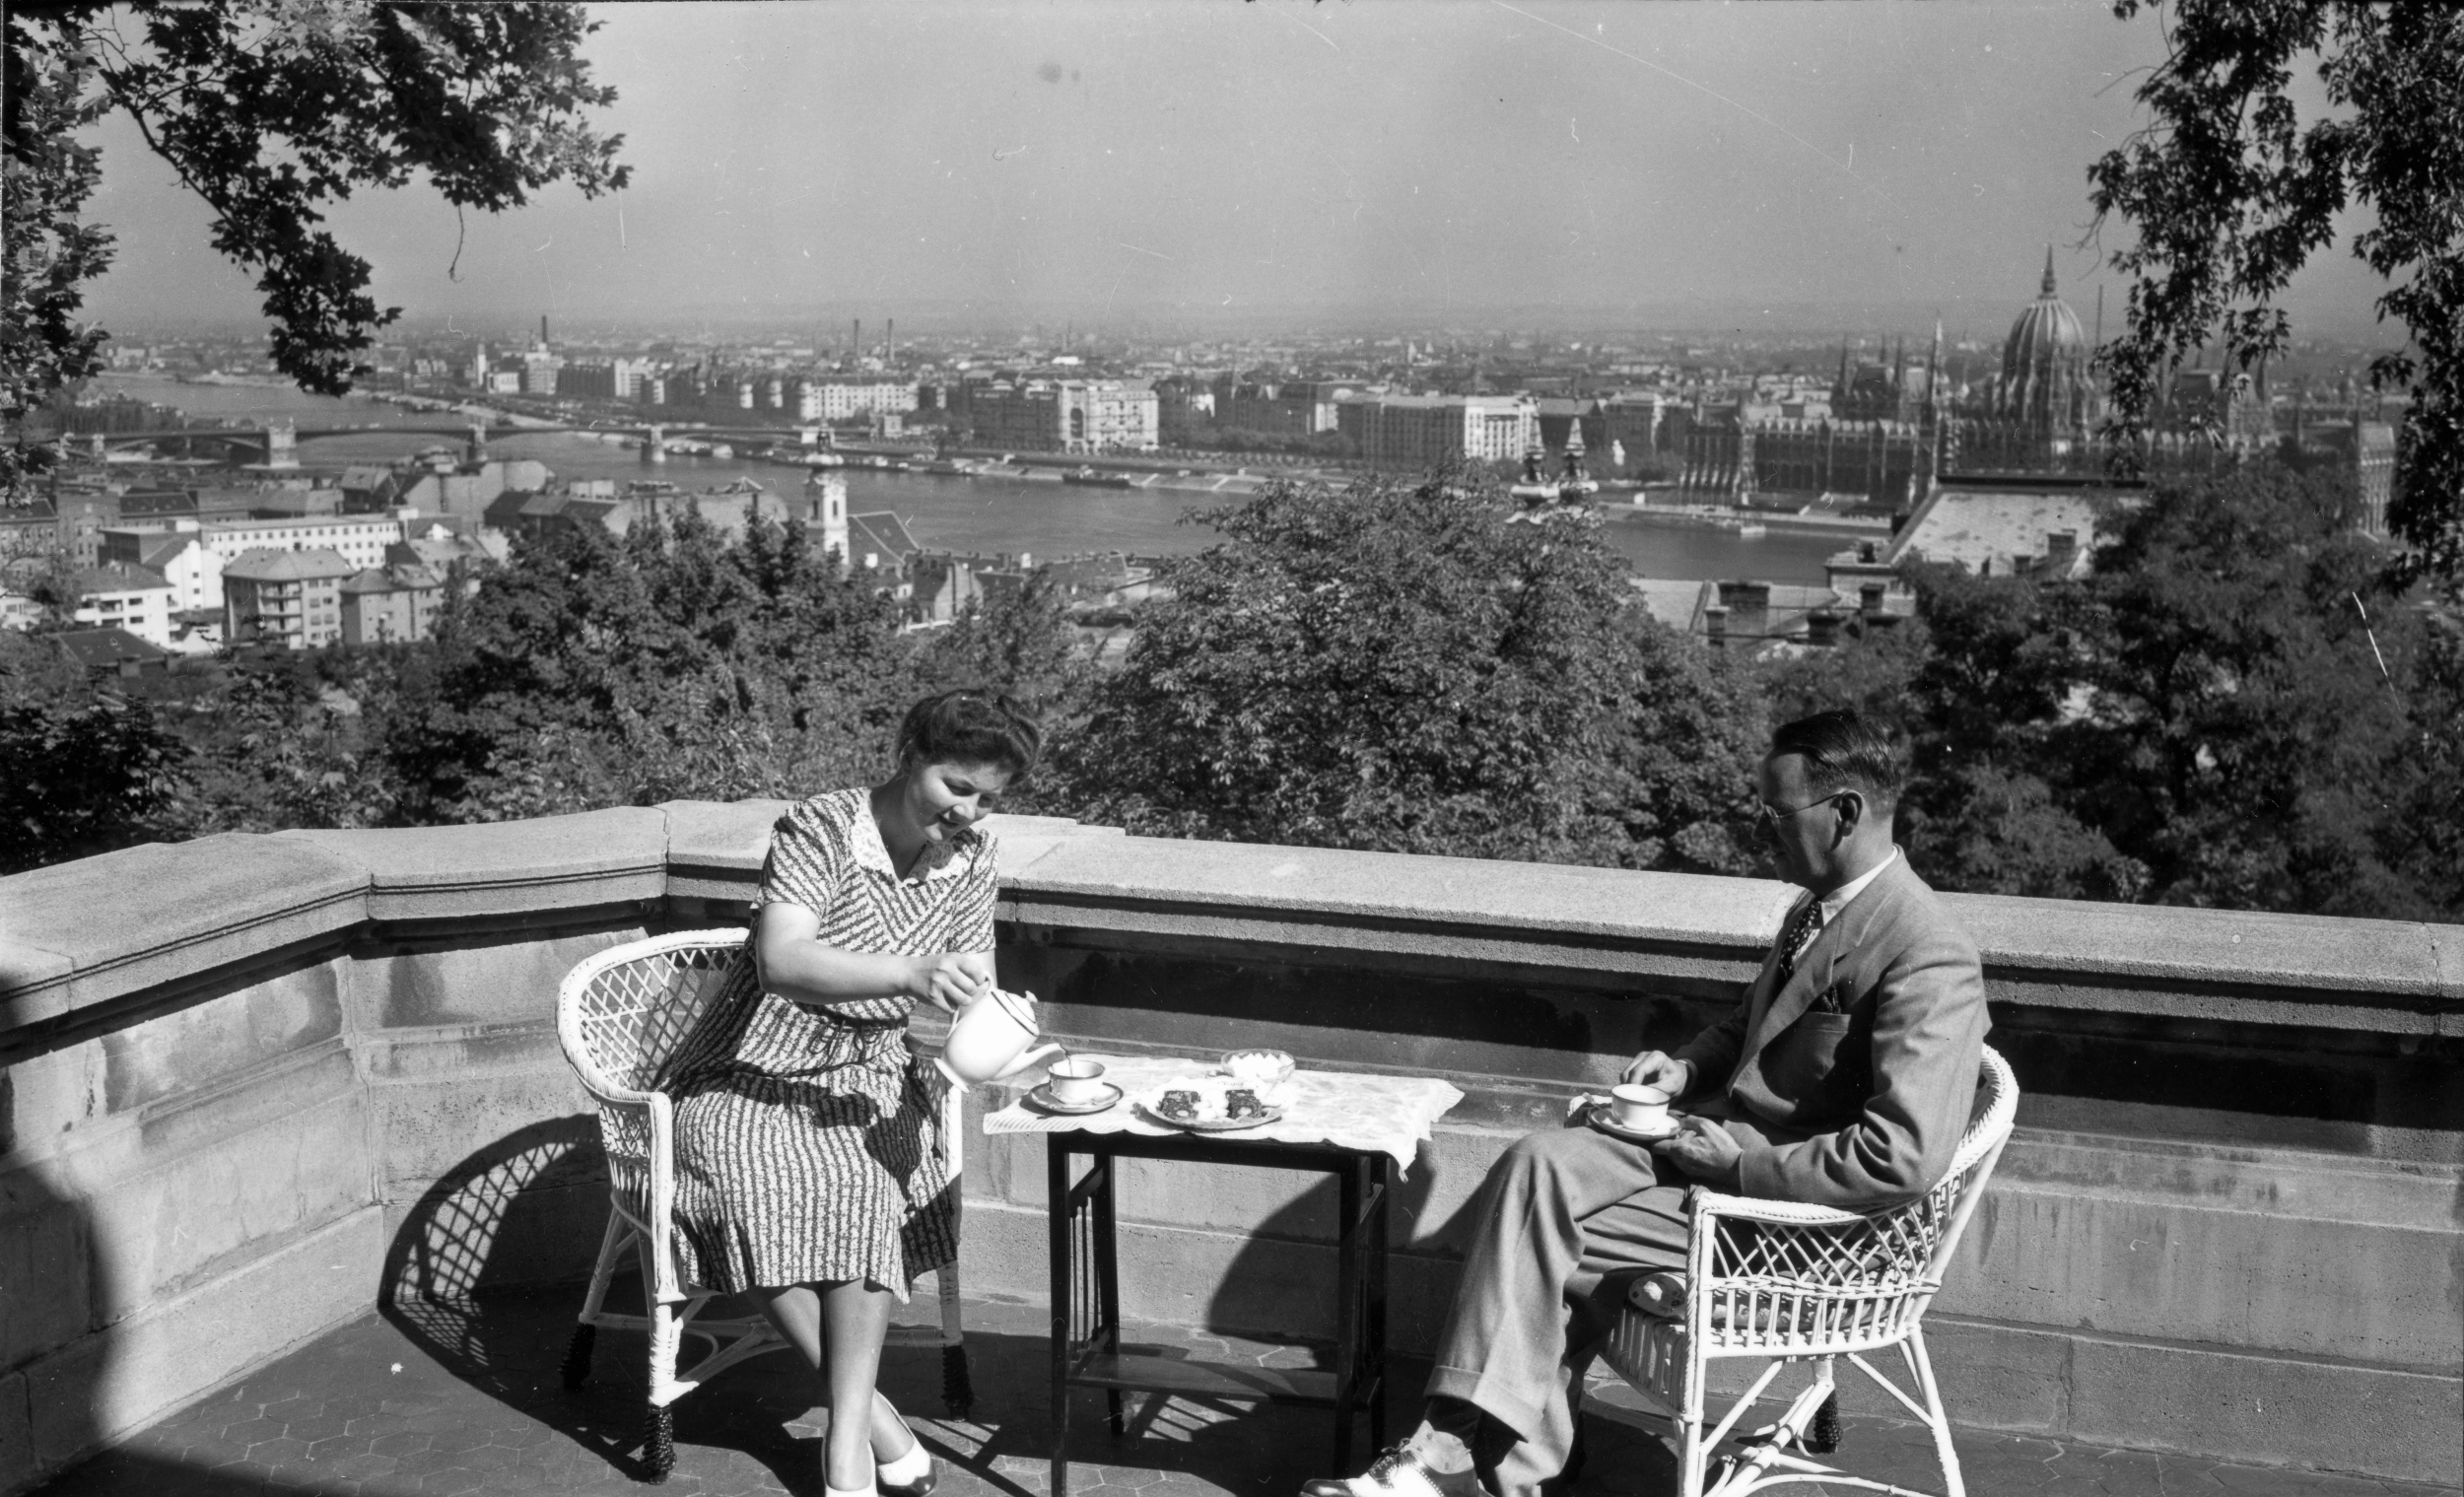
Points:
(952, 980)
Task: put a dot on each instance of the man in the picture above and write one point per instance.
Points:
(1844, 1078)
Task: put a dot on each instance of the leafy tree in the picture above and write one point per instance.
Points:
(88, 770)
(281, 744)
(674, 663)
(2230, 193)
(2206, 720)
(269, 111)
(2243, 742)
(1399, 667)
(47, 176)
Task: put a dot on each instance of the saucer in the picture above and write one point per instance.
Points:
(1043, 1101)
(1596, 1115)
(1212, 1124)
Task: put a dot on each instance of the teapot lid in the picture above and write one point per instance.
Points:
(1020, 1006)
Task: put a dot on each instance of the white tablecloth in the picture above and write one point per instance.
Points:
(1388, 1115)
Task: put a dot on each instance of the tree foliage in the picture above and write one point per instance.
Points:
(674, 663)
(88, 771)
(2230, 192)
(45, 177)
(1400, 667)
(271, 110)
(2206, 720)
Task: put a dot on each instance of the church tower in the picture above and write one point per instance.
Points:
(828, 524)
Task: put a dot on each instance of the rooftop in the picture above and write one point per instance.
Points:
(117, 576)
(306, 564)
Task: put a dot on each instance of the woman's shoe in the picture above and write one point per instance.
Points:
(913, 1475)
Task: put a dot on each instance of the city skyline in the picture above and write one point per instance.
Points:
(1750, 169)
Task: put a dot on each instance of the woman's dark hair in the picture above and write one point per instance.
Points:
(1845, 750)
(971, 727)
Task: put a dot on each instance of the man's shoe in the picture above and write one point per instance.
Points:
(1398, 1473)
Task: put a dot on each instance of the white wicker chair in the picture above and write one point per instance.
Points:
(619, 1015)
(1797, 1283)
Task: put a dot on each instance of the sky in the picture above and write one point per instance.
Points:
(1201, 163)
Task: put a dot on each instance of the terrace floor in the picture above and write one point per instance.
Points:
(466, 1399)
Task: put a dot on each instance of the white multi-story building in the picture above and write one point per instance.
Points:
(128, 597)
(1412, 432)
(192, 556)
(179, 556)
(847, 399)
(1066, 415)
(291, 598)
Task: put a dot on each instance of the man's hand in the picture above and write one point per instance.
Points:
(1702, 1148)
(1652, 1068)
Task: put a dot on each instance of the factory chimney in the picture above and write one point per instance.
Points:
(889, 344)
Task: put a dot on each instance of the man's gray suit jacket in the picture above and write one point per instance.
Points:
(1864, 1107)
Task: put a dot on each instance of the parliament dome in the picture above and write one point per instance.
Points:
(2044, 362)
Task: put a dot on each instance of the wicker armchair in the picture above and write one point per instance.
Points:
(1797, 1283)
(619, 1015)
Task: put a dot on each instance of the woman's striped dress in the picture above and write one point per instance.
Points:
(807, 1140)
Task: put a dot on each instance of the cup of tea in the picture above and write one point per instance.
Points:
(1642, 1108)
(1076, 1079)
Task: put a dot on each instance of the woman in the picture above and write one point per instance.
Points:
(809, 1170)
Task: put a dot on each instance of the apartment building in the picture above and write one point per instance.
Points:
(1065, 415)
(287, 598)
(118, 596)
(1406, 433)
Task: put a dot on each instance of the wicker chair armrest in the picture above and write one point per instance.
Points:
(1784, 1213)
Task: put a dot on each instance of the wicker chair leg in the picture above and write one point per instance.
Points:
(958, 1389)
(658, 1444)
(1823, 1434)
(577, 1370)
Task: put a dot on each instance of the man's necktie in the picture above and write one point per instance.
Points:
(1799, 933)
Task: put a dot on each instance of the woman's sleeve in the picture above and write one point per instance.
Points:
(975, 918)
(807, 857)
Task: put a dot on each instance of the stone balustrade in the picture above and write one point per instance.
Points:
(250, 1084)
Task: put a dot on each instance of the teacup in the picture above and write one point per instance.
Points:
(1076, 1079)
(1642, 1108)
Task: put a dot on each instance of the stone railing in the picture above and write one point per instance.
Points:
(254, 1085)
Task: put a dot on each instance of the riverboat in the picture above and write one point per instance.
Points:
(1090, 478)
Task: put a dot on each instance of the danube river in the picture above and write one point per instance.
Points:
(982, 514)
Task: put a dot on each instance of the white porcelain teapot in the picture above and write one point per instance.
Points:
(989, 1039)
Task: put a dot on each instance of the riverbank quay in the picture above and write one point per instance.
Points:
(257, 1085)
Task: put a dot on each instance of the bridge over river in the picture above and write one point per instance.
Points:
(275, 443)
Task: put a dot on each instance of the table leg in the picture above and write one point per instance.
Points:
(1347, 1310)
(1107, 1278)
(1380, 1176)
(1064, 1277)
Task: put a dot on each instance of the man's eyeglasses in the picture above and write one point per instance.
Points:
(1768, 817)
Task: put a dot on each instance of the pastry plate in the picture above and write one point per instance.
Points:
(1042, 1101)
(1596, 1115)
(1212, 1125)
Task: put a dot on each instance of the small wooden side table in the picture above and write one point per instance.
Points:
(1086, 1286)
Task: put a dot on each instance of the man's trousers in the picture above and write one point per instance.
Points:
(1562, 1226)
